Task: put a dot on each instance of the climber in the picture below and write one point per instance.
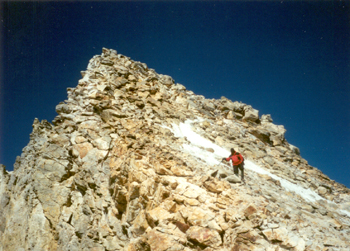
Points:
(237, 162)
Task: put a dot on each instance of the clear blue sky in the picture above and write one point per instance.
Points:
(288, 59)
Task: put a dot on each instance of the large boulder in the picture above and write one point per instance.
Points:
(250, 114)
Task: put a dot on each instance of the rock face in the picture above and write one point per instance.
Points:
(131, 163)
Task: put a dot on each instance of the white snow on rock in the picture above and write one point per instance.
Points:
(345, 213)
(197, 141)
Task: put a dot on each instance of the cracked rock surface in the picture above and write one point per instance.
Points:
(111, 173)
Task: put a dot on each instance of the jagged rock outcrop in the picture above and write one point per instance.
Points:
(131, 162)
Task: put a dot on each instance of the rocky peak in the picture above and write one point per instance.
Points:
(132, 162)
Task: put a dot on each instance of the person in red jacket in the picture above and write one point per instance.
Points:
(237, 162)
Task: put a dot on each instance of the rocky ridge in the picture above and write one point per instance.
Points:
(123, 167)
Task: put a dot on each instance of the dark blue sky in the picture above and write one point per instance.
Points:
(288, 59)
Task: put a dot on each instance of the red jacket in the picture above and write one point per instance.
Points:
(236, 158)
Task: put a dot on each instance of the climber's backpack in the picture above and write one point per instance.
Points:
(237, 159)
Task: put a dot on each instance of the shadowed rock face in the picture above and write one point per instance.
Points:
(112, 173)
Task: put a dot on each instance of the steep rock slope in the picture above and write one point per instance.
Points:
(131, 162)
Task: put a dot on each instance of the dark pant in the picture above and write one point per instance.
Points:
(240, 167)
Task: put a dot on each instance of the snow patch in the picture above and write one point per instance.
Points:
(197, 141)
(345, 213)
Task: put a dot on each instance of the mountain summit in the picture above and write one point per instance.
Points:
(133, 162)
